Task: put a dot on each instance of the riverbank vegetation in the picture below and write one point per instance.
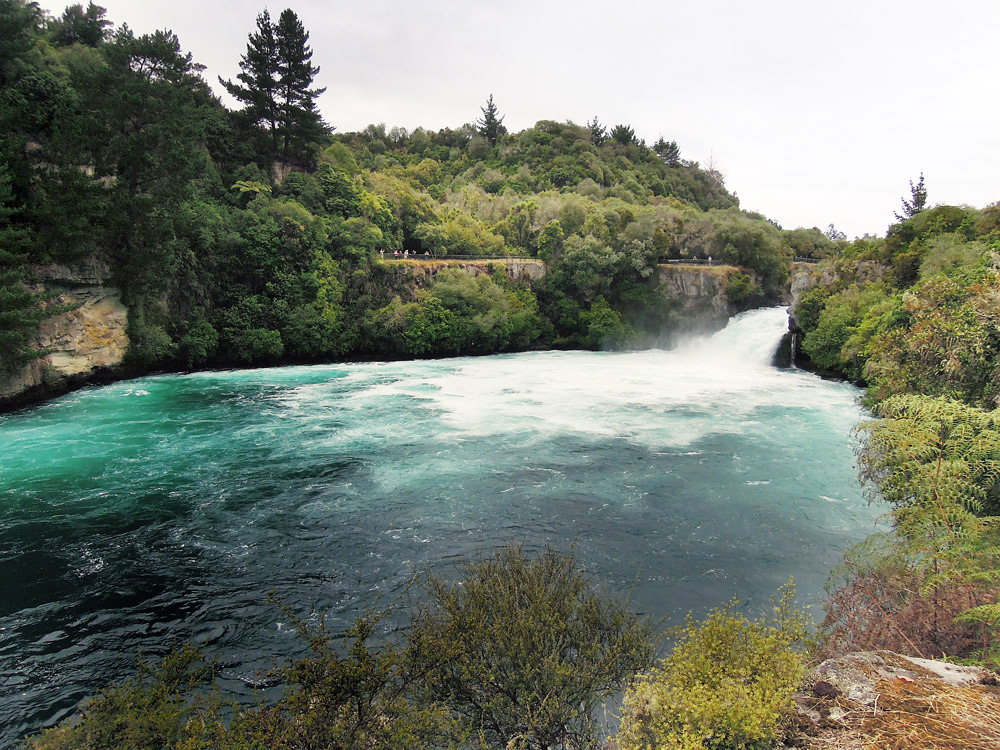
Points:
(914, 317)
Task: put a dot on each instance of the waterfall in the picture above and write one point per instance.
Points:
(749, 341)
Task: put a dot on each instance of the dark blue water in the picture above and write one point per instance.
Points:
(164, 509)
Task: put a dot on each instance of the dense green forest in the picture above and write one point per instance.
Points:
(260, 235)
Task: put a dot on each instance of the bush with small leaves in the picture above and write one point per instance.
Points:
(727, 685)
(536, 647)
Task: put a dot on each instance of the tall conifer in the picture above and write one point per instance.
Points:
(259, 89)
(491, 126)
(300, 122)
(276, 80)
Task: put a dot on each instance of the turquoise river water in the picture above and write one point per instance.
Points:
(163, 509)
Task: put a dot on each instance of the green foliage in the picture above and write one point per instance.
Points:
(351, 696)
(917, 202)
(535, 647)
(948, 344)
(20, 315)
(727, 685)
(199, 344)
(79, 26)
(810, 243)
(846, 324)
(743, 291)
(149, 344)
(937, 462)
(913, 312)
(756, 245)
(598, 133)
(491, 126)
(223, 260)
(275, 86)
(915, 316)
(459, 234)
(158, 708)
(668, 151)
(360, 695)
(604, 328)
(623, 135)
(20, 312)
(933, 454)
(459, 313)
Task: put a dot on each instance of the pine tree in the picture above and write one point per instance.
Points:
(260, 86)
(668, 151)
(276, 80)
(76, 25)
(491, 126)
(19, 309)
(623, 134)
(917, 202)
(598, 133)
(299, 121)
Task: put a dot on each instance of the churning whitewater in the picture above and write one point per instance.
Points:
(164, 509)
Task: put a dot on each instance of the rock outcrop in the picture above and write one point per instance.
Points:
(699, 292)
(84, 340)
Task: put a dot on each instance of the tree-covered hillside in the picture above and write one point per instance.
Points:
(258, 235)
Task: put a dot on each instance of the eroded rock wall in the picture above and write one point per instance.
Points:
(84, 339)
(699, 292)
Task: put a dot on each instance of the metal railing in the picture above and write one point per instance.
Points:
(690, 261)
(496, 258)
(662, 260)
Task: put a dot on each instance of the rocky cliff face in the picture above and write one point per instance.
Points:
(84, 340)
(699, 292)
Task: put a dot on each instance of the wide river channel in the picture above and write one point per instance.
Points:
(162, 510)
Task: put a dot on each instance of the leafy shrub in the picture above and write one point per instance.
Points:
(727, 685)
(199, 344)
(516, 656)
(925, 587)
(536, 647)
(255, 345)
(157, 708)
(743, 291)
(149, 345)
(605, 328)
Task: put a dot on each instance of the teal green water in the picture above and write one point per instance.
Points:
(163, 509)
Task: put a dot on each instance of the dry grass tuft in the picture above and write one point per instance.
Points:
(925, 714)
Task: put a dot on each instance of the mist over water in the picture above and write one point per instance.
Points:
(163, 509)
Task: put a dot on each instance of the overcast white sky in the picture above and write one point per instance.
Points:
(817, 112)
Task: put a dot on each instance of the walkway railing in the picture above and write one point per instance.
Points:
(497, 258)
(690, 261)
(523, 258)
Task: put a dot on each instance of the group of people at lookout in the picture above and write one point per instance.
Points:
(405, 254)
